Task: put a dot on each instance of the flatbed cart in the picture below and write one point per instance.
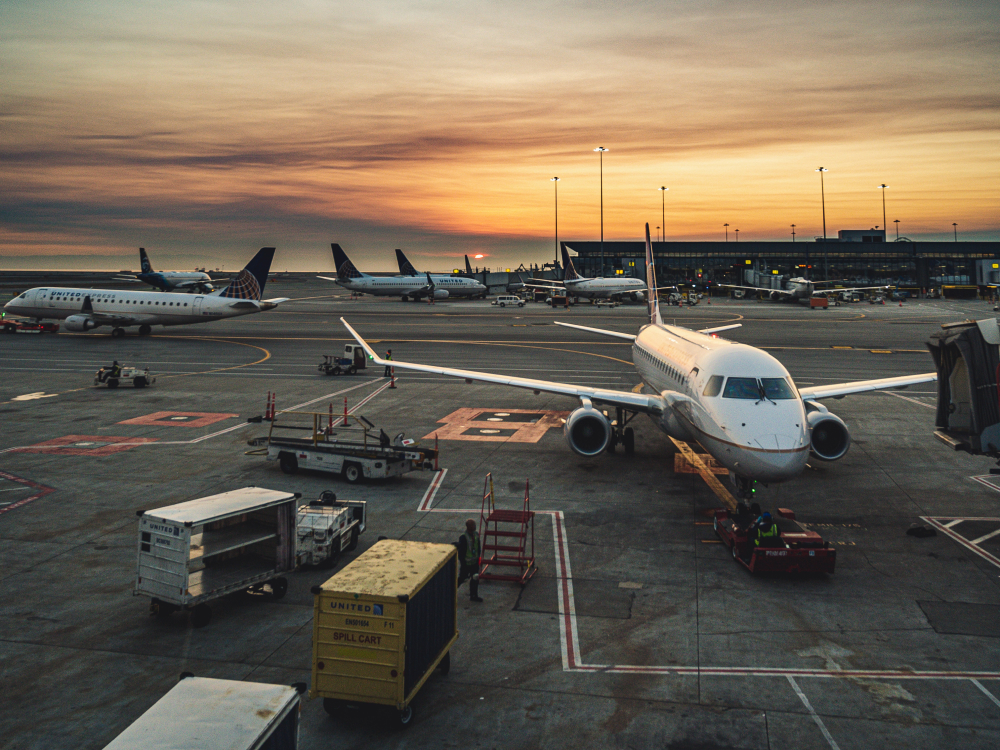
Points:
(798, 549)
(355, 452)
(195, 552)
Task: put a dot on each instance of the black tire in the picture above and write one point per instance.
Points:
(331, 559)
(139, 382)
(335, 370)
(145, 330)
(353, 473)
(502, 304)
(405, 717)
(288, 463)
(405, 298)
(736, 554)
(353, 544)
(279, 587)
(201, 616)
(628, 440)
(10, 328)
(352, 370)
(612, 443)
(117, 332)
(113, 383)
(445, 665)
(520, 304)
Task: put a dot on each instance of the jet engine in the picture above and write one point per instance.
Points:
(440, 294)
(775, 296)
(830, 437)
(79, 323)
(587, 431)
(638, 297)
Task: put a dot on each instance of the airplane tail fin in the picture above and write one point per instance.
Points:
(405, 267)
(653, 300)
(569, 271)
(468, 266)
(345, 269)
(144, 263)
(249, 284)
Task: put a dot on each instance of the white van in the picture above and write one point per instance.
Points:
(508, 299)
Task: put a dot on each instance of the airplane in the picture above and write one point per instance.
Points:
(464, 287)
(801, 289)
(615, 287)
(513, 287)
(167, 281)
(737, 401)
(407, 287)
(86, 309)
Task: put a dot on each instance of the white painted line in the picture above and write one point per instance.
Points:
(985, 481)
(432, 489)
(911, 400)
(953, 523)
(935, 522)
(984, 537)
(812, 712)
(986, 692)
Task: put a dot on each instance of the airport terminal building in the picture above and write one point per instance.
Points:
(858, 256)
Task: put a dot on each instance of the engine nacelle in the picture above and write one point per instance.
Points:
(80, 323)
(638, 297)
(829, 436)
(440, 294)
(587, 431)
(775, 296)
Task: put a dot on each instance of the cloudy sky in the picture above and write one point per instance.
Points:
(205, 130)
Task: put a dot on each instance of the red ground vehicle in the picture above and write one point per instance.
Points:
(25, 326)
(798, 551)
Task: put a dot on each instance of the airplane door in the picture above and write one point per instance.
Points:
(197, 305)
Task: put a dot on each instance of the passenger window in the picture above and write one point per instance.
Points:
(713, 387)
(745, 388)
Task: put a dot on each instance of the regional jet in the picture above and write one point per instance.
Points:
(168, 281)
(406, 287)
(456, 286)
(616, 287)
(737, 401)
(86, 309)
(802, 290)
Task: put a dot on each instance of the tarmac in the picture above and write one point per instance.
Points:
(638, 631)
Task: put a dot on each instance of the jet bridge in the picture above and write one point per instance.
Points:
(967, 358)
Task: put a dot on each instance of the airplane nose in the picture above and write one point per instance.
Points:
(777, 442)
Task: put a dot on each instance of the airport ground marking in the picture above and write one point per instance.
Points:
(460, 421)
(84, 445)
(911, 400)
(985, 481)
(812, 712)
(432, 490)
(986, 692)
(706, 473)
(179, 419)
(40, 490)
(969, 544)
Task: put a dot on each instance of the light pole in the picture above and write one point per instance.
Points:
(822, 193)
(657, 234)
(555, 184)
(601, 150)
(726, 225)
(955, 225)
(896, 222)
(883, 188)
(737, 236)
(793, 233)
(663, 210)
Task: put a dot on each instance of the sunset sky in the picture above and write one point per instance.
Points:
(205, 130)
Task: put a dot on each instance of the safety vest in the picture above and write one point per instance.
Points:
(388, 356)
(770, 531)
(471, 548)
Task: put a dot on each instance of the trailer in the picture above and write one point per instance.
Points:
(326, 527)
(201, 712)
(194, 552)
(28, 326)
(383, 624)
(797, 549)
(352, 360)
(355, 452)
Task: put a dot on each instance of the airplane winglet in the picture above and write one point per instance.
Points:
(364, 344)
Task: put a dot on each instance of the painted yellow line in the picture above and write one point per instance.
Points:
(880, 351)
(706, 474)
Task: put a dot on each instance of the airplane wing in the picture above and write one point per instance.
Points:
(838, 290)
(616, 334)
(193, 283)
(840, 390)
(326, 278)
(755, 289)
(638, 402)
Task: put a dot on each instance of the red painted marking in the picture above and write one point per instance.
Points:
(166, 419)
(66, 446)
(42, 491)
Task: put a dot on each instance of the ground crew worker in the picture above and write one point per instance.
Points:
(767, 534)
(111, 372)
(469, 550)
(388, 368)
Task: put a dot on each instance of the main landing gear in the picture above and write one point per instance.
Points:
(620, 433)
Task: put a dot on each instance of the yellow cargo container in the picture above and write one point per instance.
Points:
(383, 624)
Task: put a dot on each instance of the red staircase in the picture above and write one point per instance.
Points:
(508, 537)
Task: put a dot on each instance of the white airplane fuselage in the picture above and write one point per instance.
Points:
(767, 439)
(398, 286)
(150, 308)
(602, 288)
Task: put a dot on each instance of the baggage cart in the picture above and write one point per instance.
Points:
(326, 527)
(383, 624)
(200, 550)
(797, 550)
(355, 452)
(200, 712)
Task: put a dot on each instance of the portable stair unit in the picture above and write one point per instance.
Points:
(510, 536)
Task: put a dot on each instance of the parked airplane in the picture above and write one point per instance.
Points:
(465, 287)
(802, 290)
(737, 401)
(167, 281)
(86, 309)
(614, 287)
(406, 287)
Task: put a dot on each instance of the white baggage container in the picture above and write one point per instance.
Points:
(200, 713)
(193, 552)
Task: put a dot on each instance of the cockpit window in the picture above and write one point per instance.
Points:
(741, 388)
(777, 388)
(714, 386)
